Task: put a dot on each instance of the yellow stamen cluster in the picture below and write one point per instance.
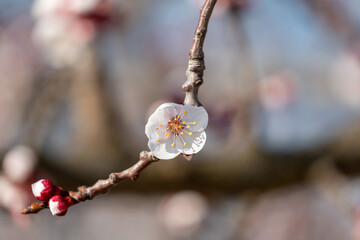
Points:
(176, 127)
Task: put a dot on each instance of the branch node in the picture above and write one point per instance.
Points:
(199, 82)
(113, 178)
(187, 87)
(87, 195)
(154, 159)
(135, 176)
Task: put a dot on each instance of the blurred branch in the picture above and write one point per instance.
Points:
(46, 94)
(194, 80)
(335, 17)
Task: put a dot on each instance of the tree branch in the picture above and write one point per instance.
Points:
(101, 186)
(196, 64)
(194, 75)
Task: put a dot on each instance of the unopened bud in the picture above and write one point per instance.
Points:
(58, 205)
(43, 190)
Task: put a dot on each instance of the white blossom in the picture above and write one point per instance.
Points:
(173, 129)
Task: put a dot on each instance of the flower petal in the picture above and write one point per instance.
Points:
(163, 149)
(194, 143)
(197, 115)
(159, 117)
(172, 109)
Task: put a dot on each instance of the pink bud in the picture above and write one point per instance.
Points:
(58, 205)
(43, 189)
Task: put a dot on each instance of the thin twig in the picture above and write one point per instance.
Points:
(103, 185)
(194, 80)
(196, 66)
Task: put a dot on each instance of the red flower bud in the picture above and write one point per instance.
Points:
(43, 189)
(58, 205)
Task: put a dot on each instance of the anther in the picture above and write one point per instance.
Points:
(194, 122)
(185, 144)
(172, 145)
(190, 133)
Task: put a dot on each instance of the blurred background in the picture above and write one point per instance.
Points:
(79, 78)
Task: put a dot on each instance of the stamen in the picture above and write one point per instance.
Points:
(183, 141)
(188, 126)
(194, 122)
(183, 122)
(175, 107)
(172, 145)
(182, 133)
(157, 128)
(184, 112)
(158, 140)
(190, 133)
(160, 125)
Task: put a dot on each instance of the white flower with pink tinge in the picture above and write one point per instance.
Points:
(175, 129)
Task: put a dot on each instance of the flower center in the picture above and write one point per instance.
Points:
(175, 126)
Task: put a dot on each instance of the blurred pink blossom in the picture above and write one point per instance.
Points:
(64, 27)
(277, 90)
(345, 80)
(19, 164)
(183, 213)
